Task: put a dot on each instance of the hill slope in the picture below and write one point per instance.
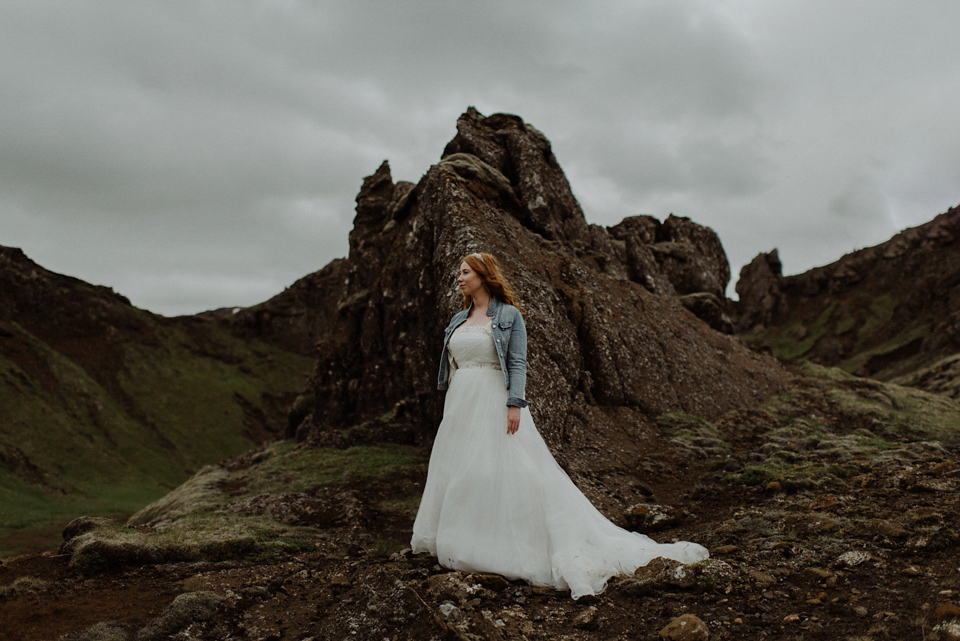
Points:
(885, 312)
(105, 407)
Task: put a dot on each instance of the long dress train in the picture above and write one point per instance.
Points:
(499, 503)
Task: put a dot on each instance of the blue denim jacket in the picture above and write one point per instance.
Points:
(510, 339)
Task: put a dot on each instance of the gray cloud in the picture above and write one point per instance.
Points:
(198, 155)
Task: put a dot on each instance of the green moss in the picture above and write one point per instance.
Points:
(917, 333)
(211, 528)
(402, 505)
(294, 467)
(878, 314)
(693, 436)
(676, 422)
(355, 300)
(761, 474)
(383, 548)
(844, 324)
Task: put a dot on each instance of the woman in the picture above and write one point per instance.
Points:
(495, 499)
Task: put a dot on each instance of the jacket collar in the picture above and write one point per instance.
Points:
(492, 309)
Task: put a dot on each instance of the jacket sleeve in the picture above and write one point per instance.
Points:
(451, 366)
(517, 363)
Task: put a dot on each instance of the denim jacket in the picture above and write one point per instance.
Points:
(510, 339)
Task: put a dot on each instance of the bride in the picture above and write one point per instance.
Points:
(495, 499)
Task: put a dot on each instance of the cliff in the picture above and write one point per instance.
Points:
(890, 312)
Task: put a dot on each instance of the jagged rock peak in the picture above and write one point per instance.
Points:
(608, 326)
(760, 290)
(523, 155)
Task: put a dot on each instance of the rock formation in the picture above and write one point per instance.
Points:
(885, 311)
(611, 342)
(760, 289)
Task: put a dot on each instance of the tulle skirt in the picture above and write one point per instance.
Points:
(499, 503)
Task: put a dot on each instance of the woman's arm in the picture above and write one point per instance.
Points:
(513, 419)
(517, 363)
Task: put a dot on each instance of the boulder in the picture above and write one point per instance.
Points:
(708, 308)
(648, 517)
(686, 627)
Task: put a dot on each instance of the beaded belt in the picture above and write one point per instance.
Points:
(479, 365)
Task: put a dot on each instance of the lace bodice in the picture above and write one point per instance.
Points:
(472, 347)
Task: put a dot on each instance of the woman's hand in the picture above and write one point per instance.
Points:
(513, 419)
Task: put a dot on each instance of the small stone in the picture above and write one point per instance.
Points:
(823, 502)
(947, 610)
(451, 586)
(340, 579)
(661, 574)
(790, 618)
(883, 527)
(449, 612)
(808, 524)
(650, 517)
(686, 627)
(587, 619)
(853, 558)
(912, 570)
(817, 574)
(945, 466)
(763, 579)
(782, 545)
(774, 487)
(924, 516)
(542, 590)
(861, 611)
(489, 581)
(724, 550)
(919, 542)
(738, 620)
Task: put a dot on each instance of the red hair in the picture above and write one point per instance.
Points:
(488, 269)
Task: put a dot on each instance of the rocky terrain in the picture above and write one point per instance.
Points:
(831, 512)
(829, 501)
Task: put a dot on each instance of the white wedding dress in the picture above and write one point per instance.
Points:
(499, 503)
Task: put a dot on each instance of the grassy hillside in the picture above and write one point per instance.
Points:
(885, 312)
(76, 441)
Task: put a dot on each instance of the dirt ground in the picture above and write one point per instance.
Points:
(879, 560)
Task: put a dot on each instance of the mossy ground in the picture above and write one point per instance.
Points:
(215, 520)
(829, 427)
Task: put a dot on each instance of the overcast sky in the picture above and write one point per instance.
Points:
(195, 155)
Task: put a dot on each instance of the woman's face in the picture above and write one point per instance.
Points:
(469, 281)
